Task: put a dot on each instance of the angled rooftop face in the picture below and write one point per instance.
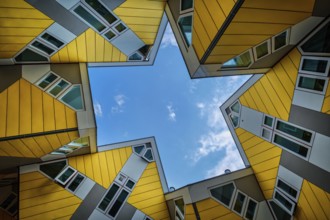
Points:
(93, 31)
(240, 37)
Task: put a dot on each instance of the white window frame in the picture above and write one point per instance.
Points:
(187, 10)
(47, 45)
(34, 50)
(292, 152)
(140, 54)
(244, 203)
(177, 210)
(265, 125)
(110, 203)
(93, 14)
(287, 37)
(268, 130)
(255, 211)
(240, 68)
(55, 83)
(300, 141)
(53, 161)
(326, 79)
(62, 172)
(288, 195)
(80, 184)
(190, 13)
(143, 155)
(315, 58)
(44, 77)
(281, 205)
(269, 50)
(240, 107)
(68, 90)
(113, 31)
(118, 181)
(232, 197)
(116, 31)
(143, 150)
(310, 36)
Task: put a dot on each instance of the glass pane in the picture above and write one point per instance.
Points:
(130, 184)
(89, 18)
(268, 121)
(238, 206)
(279, 212)
(185, 24)
(13, 208)
(262, 50)
(235, 107)
(283, 201)
(280, 40)
(43, 47)
(109, 35)
(8, 201)
(290, 145)
(118, 203)
(320, 42)
(76, 182)
(28, 55)
(135, 56)
(99, 8)
(234, 119)
(48, 80)
(251, 209)
(243, 60)
(186, 4)
(294, 131)
(59, 87)
(66, 175)
(266, 134)
(319, 66)
(138, 149)
(47, 37)
(148, 155)
(286, 188)
(73, 98)
(180, 204)
(311, 83)
(120, 27)
(108, 197)
(223, 193)
(53, 169)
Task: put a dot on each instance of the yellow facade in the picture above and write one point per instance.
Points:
(189, 212)
(273, 92)
(264, 158)
(326, 102)
(41, 198)
(210, 209)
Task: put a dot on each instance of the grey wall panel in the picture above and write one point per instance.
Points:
(113, 4)
(250, 187)
(89, 203)
(306, 170)
(134, 167)
(127, 212)
(171, 208)
(97, 215)
(11, 162)
(310, 119)
(128, 42)
(138, 215)
(308, 100)
(85, 188)
(9, 75)
(70, 72)
(251, 120)
(61, 15)
(320, 154)
(175, 8)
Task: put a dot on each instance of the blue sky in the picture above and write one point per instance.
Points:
(162, 101)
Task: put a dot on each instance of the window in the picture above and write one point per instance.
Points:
(319, 43)
(42, 47)
(118, 203)
(5, 204)
(280, 40)
(120, 27)
(148, 155)
(52, 40)
(65, 175)
(262, 50)
(235, 120)
(73, 97)
(284, 202)
(75, 183)
(138, 149)
(185, 26)
(58, 87)
(179, 209)
(251, 209)
(311, 83)
(224, 193)
(52, 169)
(86, 16)
(287, 189)
(315, 65)
(136, 56)
(10, 204)
(268, 121)
(186, 5)
(47, 80)
(102, 11)
(72, 146)
(235, 107)
(108, 197)
(293, 147)
(110, 35)
(241, 61)
(266, 134)
(28, 55)
(239, 203)
(294, 131)
(130, 184)
(234, 113)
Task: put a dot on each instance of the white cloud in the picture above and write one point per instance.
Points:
(120, 102)
(171, 113)
(168, 38)
(98, 109)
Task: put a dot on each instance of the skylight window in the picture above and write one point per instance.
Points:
(73, 97)
(224, 194)
(28, 55)
(102, 11)
(185, 25)
(52, 40)
(86, 16)
(241, 61)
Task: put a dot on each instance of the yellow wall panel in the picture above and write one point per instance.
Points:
(304, 5)
(44, 143)
(151, 202)
(73, 51)
(25, 107)
(253, 28)
(9, 150)
(295, 57)
(64, 138)
(197, 44)
(226, 6)
(43, 199)
(71, 118)
(3, 113)
(326, 102)
(201, 33)
(49, 113)
(210, 209)
(22, 148)
(96, 168)
(59, 110)
(63, 55)
(33, 146)
(189, 212)
(13, 110)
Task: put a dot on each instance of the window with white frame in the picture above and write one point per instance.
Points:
(279, 212)
(239, 203)
(76, 182)
(73, 97)
(52, 169)
(281, 40)
(243, 60)
(251, 209)
(65, 176)
(233, 113)
(47, 80)
(287, 189)
(315, 65)
(58, 87)
(185, 21)
(262, 50)
(224, 194)
(312, 83)
(179, 209)
(284, 202)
